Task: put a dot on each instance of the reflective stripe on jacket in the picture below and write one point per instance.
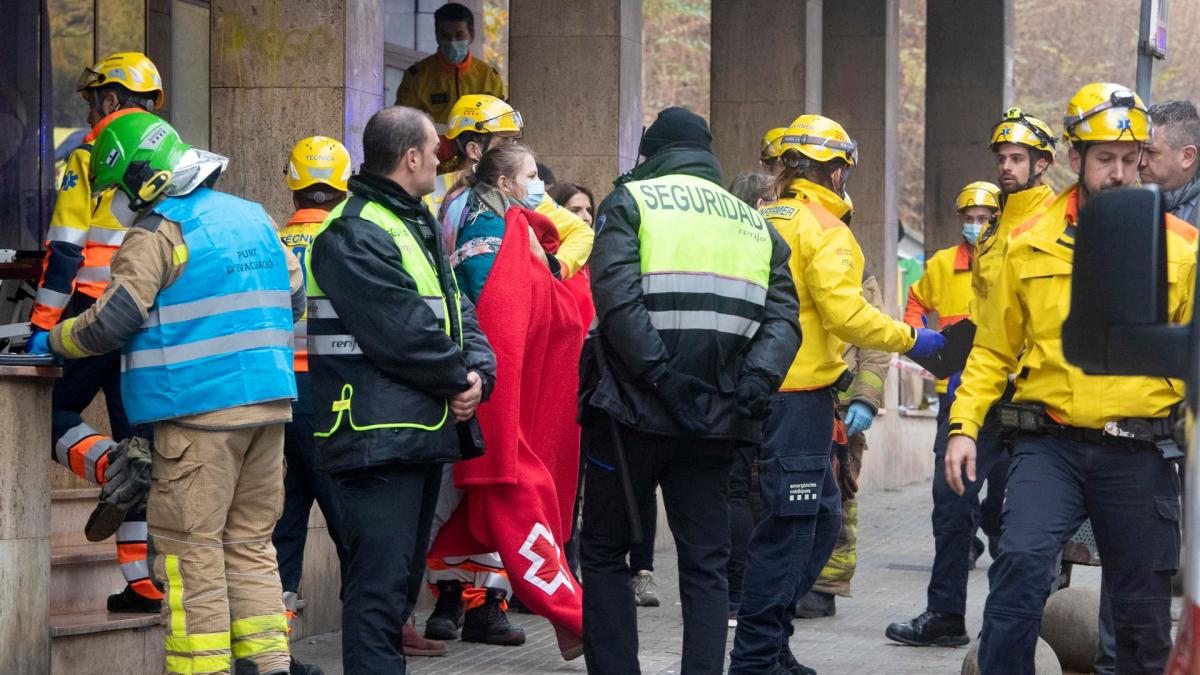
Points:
(827, 265)
(84, 234)
(1021, 331)
(338, 359)
(298, 235)
(219, 337)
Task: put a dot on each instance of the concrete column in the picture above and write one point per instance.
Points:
(282, 70)
(25, 519)
(861, 72)
(765, 73)
(575, 74)
(968, 85)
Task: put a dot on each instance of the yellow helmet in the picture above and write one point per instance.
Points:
(820, 139)
(131, 70)
(979, 193)
(770, 144)
(318, 159)
(1102, 112)
(1022, 129)
(483, 114)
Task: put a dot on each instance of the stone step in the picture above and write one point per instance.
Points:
(83, 576)
(96, 641)
(69, 511)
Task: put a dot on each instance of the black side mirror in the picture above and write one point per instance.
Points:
(1118, 323)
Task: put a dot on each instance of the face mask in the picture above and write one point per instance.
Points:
(455, 51)
(537, 192)
(970, 232)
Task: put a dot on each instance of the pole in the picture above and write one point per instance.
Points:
(1145, 54)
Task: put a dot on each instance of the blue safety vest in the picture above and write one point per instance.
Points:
(220, 336)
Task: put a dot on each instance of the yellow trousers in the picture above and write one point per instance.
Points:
(212, 508)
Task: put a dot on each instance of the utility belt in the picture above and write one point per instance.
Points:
(1031, 419)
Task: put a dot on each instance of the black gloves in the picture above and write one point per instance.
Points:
(753, 392)
(683, 396)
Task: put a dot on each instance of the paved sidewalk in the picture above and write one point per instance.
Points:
(895, 553)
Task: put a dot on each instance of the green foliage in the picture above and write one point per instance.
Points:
(676, 38)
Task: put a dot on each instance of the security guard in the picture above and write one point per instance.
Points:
(768, 155)
(478, 123)
(689, 344)
(795, 538)
(316, 173)
(398, 367)
(946, 288)
(1084, 445)
(434, 83)
(85, 232)
(202, 303)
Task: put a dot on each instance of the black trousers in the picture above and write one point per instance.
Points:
(386, 515)
(693, 475)
(745, 510)
(1131, 495)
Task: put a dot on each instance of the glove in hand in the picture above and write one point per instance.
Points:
(859, 418)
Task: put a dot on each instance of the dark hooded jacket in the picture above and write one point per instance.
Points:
(624, 354)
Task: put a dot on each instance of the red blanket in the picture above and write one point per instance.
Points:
(520, 494)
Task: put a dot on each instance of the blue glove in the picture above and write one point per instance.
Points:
(38, 342)
(952, 383)
(858, 418)
(929, 342)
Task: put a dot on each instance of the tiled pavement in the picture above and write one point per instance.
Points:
(895, 552)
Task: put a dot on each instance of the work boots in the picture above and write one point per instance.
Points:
(130, 601)
(489, 624)
(645, 591)
(816, 605)
(930, 629)
(447, 617)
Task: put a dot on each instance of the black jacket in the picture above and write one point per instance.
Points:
(409, 367)
(625, 353)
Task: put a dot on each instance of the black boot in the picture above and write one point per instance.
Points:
(816, 605)
(248, 667)
(298, 668)
(931, 629)
(447, 617)
(489, 624)
(789, 665)
(976, 551)
(130, 601)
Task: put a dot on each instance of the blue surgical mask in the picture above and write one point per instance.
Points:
(455, 51)
(537, 192)
(970, 232)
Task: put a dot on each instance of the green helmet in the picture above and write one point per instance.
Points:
(137, 153)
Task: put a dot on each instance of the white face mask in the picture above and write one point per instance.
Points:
(971, 232)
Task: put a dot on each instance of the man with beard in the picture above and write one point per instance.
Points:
(1082, 462)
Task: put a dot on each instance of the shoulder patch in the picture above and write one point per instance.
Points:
(777, 211)
(150, 222)
(1181, 228)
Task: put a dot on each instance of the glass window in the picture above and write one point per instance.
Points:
(400, 20)
(72, 48)
(121, 26)
(391, 82)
